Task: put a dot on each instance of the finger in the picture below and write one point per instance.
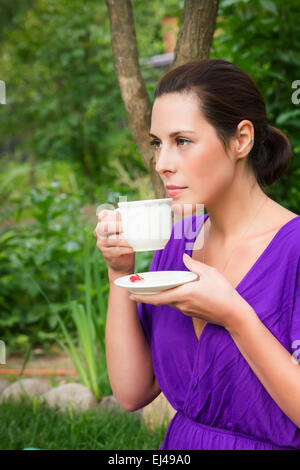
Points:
(117, 253)
(106, 215)
(194, 265)
(166, 297)
(101, 214)
(110, 247)
(108, 227)
(111, 226)
(112, 240)
(146, 299)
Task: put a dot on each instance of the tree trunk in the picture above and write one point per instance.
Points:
(193, 43)
(196, 31)
(132, 86)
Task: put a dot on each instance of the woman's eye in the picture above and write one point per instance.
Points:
(182, 141)
(154, 143)
(179, 141)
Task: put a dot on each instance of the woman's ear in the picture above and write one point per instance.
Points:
(244, 138)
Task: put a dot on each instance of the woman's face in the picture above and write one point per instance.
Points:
(188, 152)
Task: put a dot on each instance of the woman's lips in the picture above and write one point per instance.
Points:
(174, 191)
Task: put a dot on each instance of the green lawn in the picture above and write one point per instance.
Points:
(32, 424)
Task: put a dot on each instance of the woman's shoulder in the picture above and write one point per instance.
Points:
(282, 221)
(291, 223)
(290, 234)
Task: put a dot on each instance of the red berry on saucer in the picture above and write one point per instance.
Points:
(136, 277)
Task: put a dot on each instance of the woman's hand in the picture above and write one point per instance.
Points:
(211, 297)
(118, 254)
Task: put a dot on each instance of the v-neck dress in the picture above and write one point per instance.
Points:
(221, 404)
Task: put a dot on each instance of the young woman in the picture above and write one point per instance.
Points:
(223, 348)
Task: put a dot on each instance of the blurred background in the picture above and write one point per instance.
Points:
(66, 147)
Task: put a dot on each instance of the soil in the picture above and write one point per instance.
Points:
(53, 360)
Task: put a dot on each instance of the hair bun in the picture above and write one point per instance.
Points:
(273, 157)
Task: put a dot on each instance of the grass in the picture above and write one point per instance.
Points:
(30, 423)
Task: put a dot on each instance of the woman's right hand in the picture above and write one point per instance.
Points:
(118, 254)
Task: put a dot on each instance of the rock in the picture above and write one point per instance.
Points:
(29, 387)
(158, 412)
(3, 384)
(72, 395)
(110, 403)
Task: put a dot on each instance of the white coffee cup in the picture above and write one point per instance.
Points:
(147, 225)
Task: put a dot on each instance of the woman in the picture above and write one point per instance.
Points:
(223, 348)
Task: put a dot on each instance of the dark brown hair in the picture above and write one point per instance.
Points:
(227, 95)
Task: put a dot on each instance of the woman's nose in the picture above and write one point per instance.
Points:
(164, 161)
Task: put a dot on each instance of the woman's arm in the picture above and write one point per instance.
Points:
(128, 354)
(269, 360)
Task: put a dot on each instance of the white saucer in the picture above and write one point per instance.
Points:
(155, 281)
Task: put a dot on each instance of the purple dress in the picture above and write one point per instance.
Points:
(220, 402)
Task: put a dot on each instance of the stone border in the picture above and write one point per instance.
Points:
(80, 398)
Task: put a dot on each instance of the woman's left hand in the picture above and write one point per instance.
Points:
(211, 297)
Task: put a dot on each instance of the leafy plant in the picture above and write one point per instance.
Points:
(40, 265)
(88, 356)
(262, 37)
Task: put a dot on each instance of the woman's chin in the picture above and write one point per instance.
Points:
(186, 208)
